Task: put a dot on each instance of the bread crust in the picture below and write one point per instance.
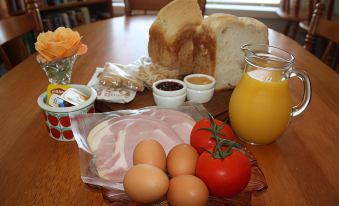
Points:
(204, 53)
(176, 54)
(170, 36)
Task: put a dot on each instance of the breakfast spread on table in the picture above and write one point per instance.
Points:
(142, 154)
(175, 155)
(182, 42)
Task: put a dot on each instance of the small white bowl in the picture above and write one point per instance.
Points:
(174, 93)
(199, 86)
(200, 96)
(169, 102)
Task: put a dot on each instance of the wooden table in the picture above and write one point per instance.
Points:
(301, 168)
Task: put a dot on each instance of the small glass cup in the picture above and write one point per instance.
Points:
(58, 71)
(260, 107)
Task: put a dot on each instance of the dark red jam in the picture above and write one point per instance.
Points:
(169, 86)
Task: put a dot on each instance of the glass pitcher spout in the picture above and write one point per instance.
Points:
(262, 56)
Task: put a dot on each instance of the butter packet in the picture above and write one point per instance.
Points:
(57, 89)
(74, 96)
(56, 101)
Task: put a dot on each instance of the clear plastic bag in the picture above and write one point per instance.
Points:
(150, 73)
(108, 94)
(83, 124)
(145, 71)
(115, 76)
(119, 83)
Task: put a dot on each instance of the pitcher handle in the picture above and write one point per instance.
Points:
(302, 75)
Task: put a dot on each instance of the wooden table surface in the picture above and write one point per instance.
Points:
(301, 168)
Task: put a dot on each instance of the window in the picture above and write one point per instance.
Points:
(251, 8)
(265, 2)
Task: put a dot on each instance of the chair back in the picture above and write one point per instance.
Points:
(152, 5)
(325, 28)
(294, 8)
(13, 27)
(297, 11)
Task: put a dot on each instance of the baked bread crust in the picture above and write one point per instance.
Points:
(170, 42)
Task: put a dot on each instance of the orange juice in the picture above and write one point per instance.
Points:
(260, 106)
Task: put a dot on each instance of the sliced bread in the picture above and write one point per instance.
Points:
(217, 45)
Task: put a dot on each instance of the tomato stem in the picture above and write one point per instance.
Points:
(218, 152)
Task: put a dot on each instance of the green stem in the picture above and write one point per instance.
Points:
(218, 153)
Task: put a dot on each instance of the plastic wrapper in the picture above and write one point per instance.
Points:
(109, 94)
(84, 123)
(117, 83)
(115, 76)
(150, 73)
(144, 70)
(113, 191)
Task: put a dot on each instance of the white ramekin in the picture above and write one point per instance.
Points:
(160, 92)
(200, 96)
(169, 102)
(199, 86)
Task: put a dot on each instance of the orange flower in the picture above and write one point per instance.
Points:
(61, 43)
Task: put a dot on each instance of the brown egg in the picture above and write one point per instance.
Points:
(150, 152)
(181, 160)
(187, 190)
(145, 183)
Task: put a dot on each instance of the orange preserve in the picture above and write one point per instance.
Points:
(260, 106)
(199, 80)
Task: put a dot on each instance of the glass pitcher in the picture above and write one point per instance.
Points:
(260, 106)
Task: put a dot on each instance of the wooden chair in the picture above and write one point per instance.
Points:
(327, 13)
(152, 5)
(15, 26)
(293, 12)
(326, 29)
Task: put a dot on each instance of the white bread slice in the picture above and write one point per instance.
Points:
(170, 36)
(217, 46)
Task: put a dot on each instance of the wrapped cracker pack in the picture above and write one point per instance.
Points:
(114, 76)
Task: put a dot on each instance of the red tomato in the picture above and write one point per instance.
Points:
(201, 139)
(224, 177)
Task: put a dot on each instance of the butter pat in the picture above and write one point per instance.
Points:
(56, 101)
(74, 96)
(57, 89)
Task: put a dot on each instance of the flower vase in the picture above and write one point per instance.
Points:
(58, 71)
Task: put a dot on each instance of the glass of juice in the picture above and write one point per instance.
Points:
(260, 107)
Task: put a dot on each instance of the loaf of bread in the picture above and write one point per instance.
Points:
(170, 36)
(217, 45)
(180, 38)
